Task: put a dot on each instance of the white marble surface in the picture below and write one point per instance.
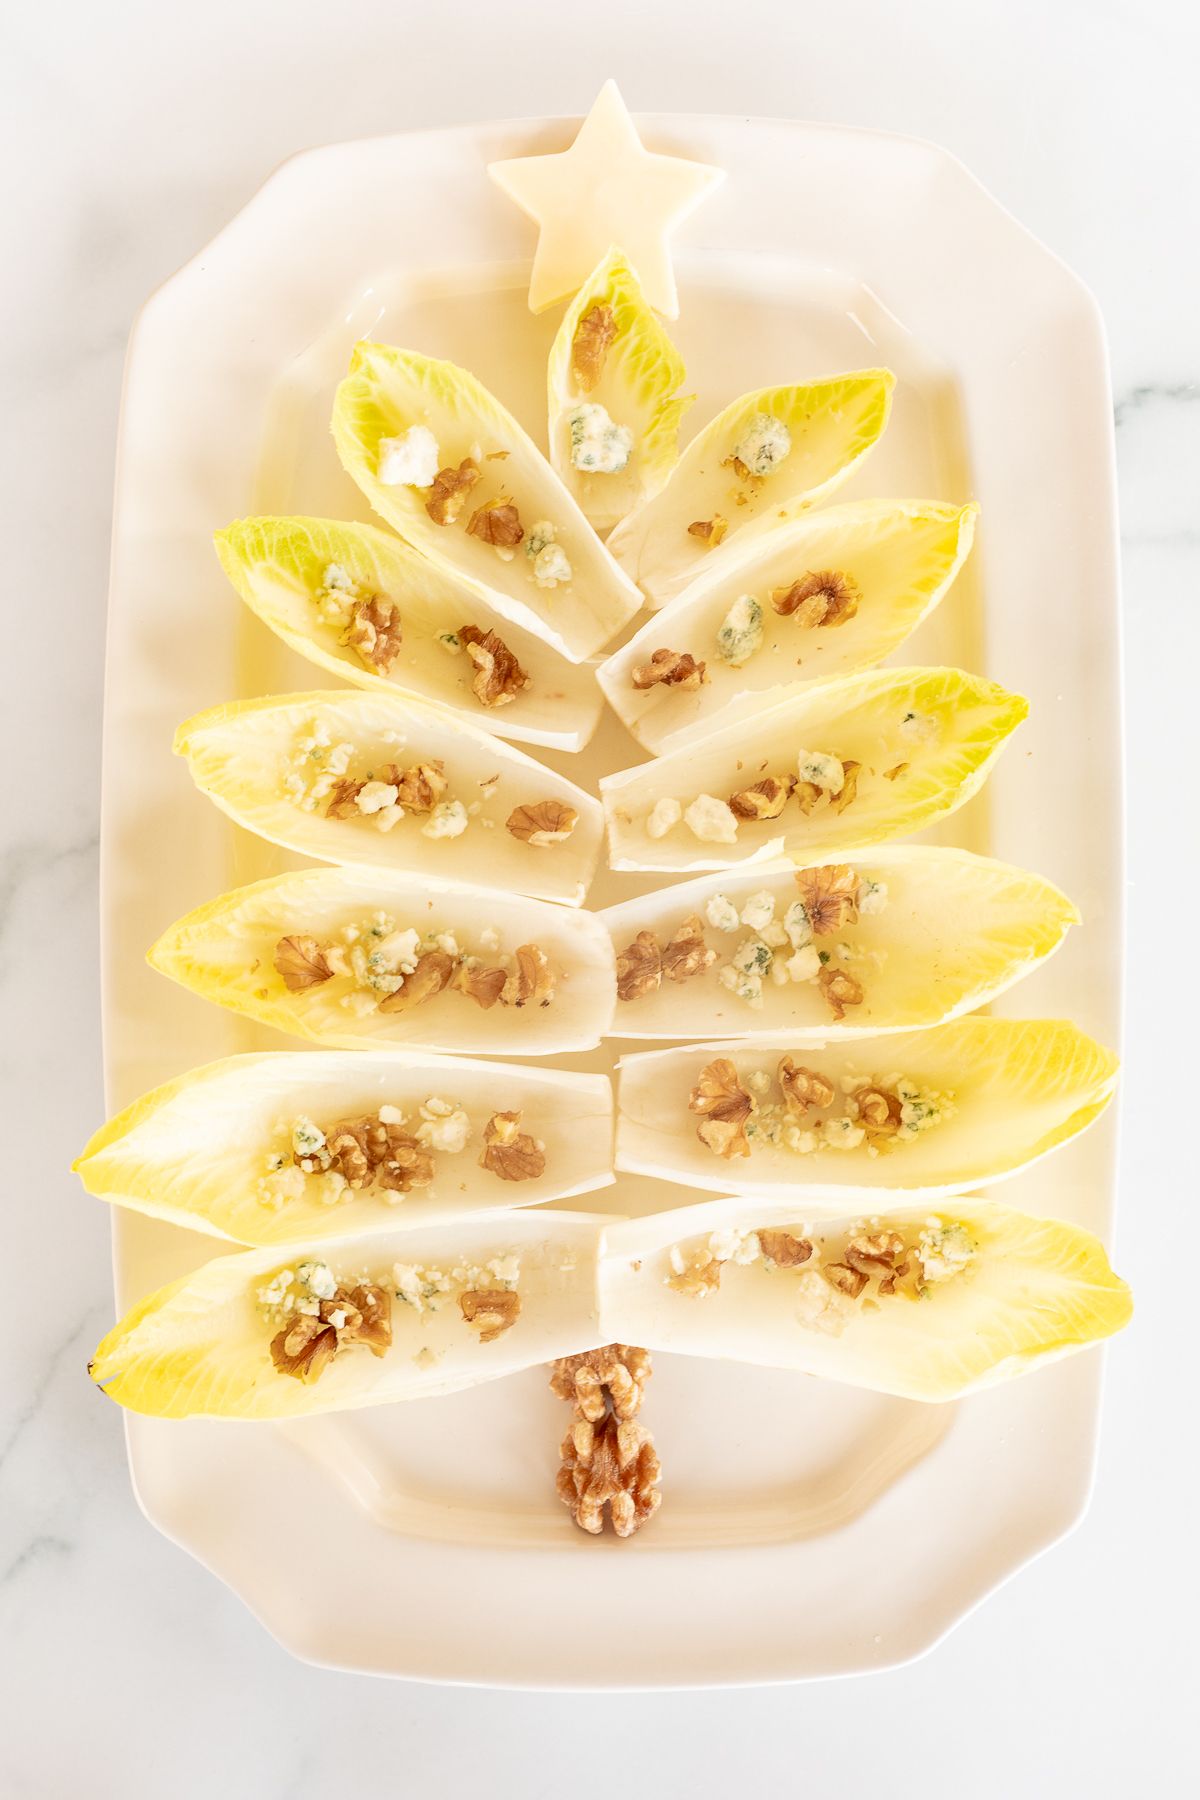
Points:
(134, 131)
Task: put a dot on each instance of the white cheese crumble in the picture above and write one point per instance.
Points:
(318, 1278)
(872, 896)
(721, 913)
(550, 566)
(663, 817)
(711, 820)
(489, 939)
(797, 925)
(823, 771)
(759, 910)
(820, 1307)
(307, 1138)
(444, 1126)
(763, 445)
(447, 820)
(374, 796)
(944, 1251)
(740, 632)
(410, 460)
(598, 446)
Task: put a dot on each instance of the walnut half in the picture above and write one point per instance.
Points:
(669, 668)
(448, 494)
(726, 1106)
(492, 1311)
(302, 963)
(510, 1152)
(594, 335)
(614, 1374)
(542, 822)
(374, 633)
(308, 1342)
(613, 1465)
(499, 677)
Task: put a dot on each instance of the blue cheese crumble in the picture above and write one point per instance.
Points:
(764, 445)
(598, 446)
(740, 632)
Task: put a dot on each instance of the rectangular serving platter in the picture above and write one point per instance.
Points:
(806, 1529)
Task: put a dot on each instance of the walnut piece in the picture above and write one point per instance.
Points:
(366, 1150)
(803, 1087)
(614, 1375)
(593, 338)
(686, 953)
(343, 798)
(374, 632)
(782, 1248)
(533, 981)
(726, 1106)
(765, 800)
(876, 1109)
(611, 1464)
(845, 1279)
(711, 530)
(840, 990)
(510, 1152)
(484, 986)
(301, 962)
(825, 598)
(542, 822)
(497, 522)
(308, 1342)
(449, 491)
(639, 967)
(498, 677)
(696, 1279)
(895, 772)
(882, 1254)
(492, 1311)
(418, 789)
(670, 668)
(829, 896)
(432, 973)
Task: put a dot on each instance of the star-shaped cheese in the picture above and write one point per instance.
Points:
(606, 189)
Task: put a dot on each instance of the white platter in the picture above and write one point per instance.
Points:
(807, 1529)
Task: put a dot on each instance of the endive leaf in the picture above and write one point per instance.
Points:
(875, 569)
(897, 749)
(613, 351)
(814, 432)
(390, 392)
(279, 765)
(231, 950)
(280, 567)
(926, 933)
(981, 1099)
(1003, 1293)
(201, 1347)
(231, 1148)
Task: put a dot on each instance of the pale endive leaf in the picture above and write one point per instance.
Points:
(387, 394)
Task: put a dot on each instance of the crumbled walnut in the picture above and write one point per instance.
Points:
(894, 773)
(374, 1307)
(301, 961)
(418, 789)
(448, 495)
(696, 1279)
(840, 801)
(430, 976)
(498, 677)
(533, 981)
(711, 530)
(686, 953)
(639, 967)
(826, 598)
(878, 1110)
(303, 1347)
(782, 1248)
(670, 668)
(590, 346)
(308, 1342)
(367, 1150)
(510, 1152)
(497, 522)
(726, 1106)
(765, 800)
(743, 474)
(845, 1279)
(492, 1311)
(829, 896)
(803, 1087)
(615, 1374)
(343, 798)
(484, 986)
(840, 990)
(870, 1251)
(612, 1464)
(374, 632)
(543, 822)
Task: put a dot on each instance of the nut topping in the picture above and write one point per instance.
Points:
(449, 491)
(498, 677)
(878, 1110)
(782, 1248)
(726, 1106)
(711, 530)
(841, 800)
(301, 962)
(616, 1374)
(639, 967)
(492, 1311)
(612, 1464)
(594, 335)
(670, 668)
(845, 1279)
(826, 598)
(765, 800)
(533, 982)
(343, 798)
(497, 522)
(430, 976)
(544, 822)
(308, 1342)
(418, 789)
(484, 986)
(686, 953)
(829, 896)
(510, 1152)
(367, 1150)
(374, 632)
(803, 1087)
(840, 990)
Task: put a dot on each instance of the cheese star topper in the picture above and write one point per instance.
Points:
(606, 189)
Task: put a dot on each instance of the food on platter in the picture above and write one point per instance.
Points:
(450, 469)
(608, 1465)
(613, 408)
(768, 456)
(843, 764)
(360, 958)
(927, 1304)
(394, 783)
(349, 1322)
(924, 1113)
(359, 602)
(830, 593)
(273, 1148)
(904, 936)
